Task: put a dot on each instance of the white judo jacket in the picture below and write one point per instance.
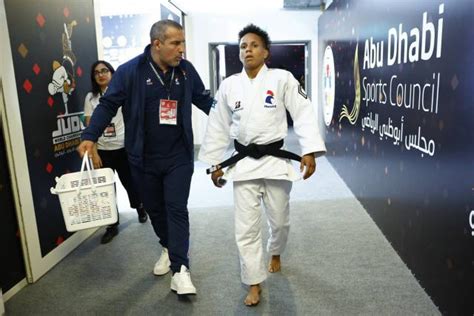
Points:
(253, 111)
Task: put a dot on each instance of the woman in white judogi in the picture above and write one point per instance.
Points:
(250, 108)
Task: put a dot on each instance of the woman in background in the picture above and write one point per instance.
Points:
(111, 145)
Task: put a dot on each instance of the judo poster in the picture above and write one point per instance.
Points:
(396, 87)
(53, 46)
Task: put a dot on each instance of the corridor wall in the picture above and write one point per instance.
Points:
(396, 92)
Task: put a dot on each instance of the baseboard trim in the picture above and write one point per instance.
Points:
(15, 289)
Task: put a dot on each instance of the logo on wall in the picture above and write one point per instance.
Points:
(69, 125)
(354, 113)
(329, 89)
(471, 222)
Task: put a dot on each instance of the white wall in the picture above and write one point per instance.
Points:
(282, 25)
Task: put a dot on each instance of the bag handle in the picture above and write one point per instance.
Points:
(86, 166)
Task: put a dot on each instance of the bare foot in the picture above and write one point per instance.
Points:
(274, 265)
(253, 298)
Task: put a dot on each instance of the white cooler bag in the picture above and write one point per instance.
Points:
(87, 197)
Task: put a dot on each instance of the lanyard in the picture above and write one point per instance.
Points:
(161, 80)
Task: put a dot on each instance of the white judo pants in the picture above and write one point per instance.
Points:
(248, 198)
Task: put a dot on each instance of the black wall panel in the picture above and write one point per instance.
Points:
(12, 267)
(400, 132)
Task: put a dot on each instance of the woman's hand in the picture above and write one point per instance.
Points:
(308, 163)
(215, 176)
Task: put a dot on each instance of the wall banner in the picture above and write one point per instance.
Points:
(397, 85)
(53, 44)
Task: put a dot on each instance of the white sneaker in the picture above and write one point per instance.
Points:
(162, 266)
(181, 282)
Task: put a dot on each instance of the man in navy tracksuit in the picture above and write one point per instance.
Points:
(156, 90)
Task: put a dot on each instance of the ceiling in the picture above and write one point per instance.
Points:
(303, 4)
(225, 6)
(242, 6)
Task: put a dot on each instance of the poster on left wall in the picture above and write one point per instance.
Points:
(53, 44)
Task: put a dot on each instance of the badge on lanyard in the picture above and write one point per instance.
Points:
(110, 130)
(168, 112)
(168, 108)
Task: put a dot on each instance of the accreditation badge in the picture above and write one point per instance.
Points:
(110, 130)
(168, 112)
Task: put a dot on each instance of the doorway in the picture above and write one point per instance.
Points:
(294, 57)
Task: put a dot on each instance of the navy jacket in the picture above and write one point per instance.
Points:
(127, 89)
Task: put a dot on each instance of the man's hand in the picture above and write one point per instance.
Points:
(96, 160)
(308, 163)
(215, 176)
(89, 146)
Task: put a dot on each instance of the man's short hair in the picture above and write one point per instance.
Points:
(159, 28)
(252, 28)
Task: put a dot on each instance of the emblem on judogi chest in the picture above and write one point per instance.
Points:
(270, 100)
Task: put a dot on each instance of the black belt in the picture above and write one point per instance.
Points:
(255, 151)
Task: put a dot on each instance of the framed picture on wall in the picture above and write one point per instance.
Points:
(125, 32)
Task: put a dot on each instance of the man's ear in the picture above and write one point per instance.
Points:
(156, 43)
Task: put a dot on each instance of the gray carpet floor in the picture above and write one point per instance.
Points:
(337, 263)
